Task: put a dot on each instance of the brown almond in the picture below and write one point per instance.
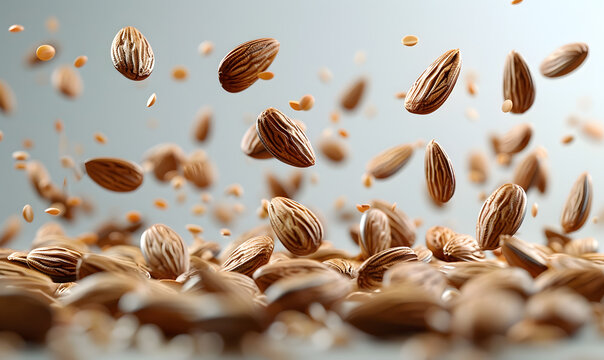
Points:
(462, 247)
(389, 161)
(284, 139)
(458, 273)
(67, 81)
(434, 85)
(333, 148)
(518, 83)
(298, 229)
(252, 146)
(165, 252)
(115, 174)
(59, 263)
(353, 94)
(270, 273)
(501, 214)
(92, 263)
(588, 282)
(131, 54)
(250, 255)
(440, 177)
(7, 98)
(479, 167)
(527, 171)
(402, 229)
(578, 204)
(199, 170)
(561, 308)
(514, 141)
(564, 60)
(343, 266)
(374, 232)
(436, 239)
(239, 69)
(523, 255)
(18, 304)
(578, 247)
(203, 124)
(416, 273)
(372, 270)
(165, 160)
(555, 240)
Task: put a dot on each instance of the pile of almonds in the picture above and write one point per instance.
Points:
(282, 279)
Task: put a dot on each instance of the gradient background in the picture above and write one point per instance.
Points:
(313, 34)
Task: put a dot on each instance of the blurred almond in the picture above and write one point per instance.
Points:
(389, 161)
(578, 204)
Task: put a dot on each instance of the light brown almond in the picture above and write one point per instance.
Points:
(59, 263)
(270, 273)
(333, 148)
(250, 255)
(518, 83)
(343, 266)
(389, 161)
(523, 255)
(374, 233)
(298, 229)
(527, 171)
(165, 252)
(67, 80)
(7, 98)
(131, 54)
(239, 69)
(92, 263)
(115, 174)
(252, 146)
(514, 141)
(353, 94)
(284, 139)
(203, 124)
(501, 214)
(436, 239)
(440, 177)
(402, 229)
(578, 247)
(372, 270)
(28, 213)
(578, 204)
(588, 282)
(165, 160)
(434, 85)
(462, 247)
(564, 60)
(199, 170)
(478, 166)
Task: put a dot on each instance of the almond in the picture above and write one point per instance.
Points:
(436, 239)
(298, 229)
(199, 170)
(239, 69)
(353, 94)
(203, 124)
(270, 273)
(514, 141)
(578, 204)
(115, 174)
(402, 229)
(59, 263)
(523, 255)
(250, 255)
(67, 80)
(564, 60)
(434, 85)
(252, 146)
(165, 252)
(7, 98)
(527, 171)
(389, 161)
(478, 166)
(131, 54)
(343, 266)
(501, 214)
(518, 83)
(372, 270)
(284, 139)
(440, 177)
(374, 232)
(462, 248)
(588, 282)
(578, 247)
(333, 148)
(91, 263)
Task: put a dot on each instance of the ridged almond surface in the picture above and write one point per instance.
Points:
(436, 239)
(527, 171)
(92, 263)
(353, 94)
(588, 282)
(419, 274)
(239, 69)
(440, 176)
(459, 273)
(284, 139)
(7, 98)
(131, 54)
(252, 146)
(515, 140)
(402, 229)
(389, 161)
(165, 160)
(462, 248)
(517, 83)
(374, 232)
(165, 252)
(59, 263)
(578, 204)
(67, 80)
(250, 255)
(564, 60)
(115, 174)
(372, 270)
(298, 229)
(434, 85)
(523, 255)
(578, 247)
(343, 266)
(266, 275)
(501, 214)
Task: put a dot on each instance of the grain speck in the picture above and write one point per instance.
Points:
(80, 61)
(266, 75)
(507, 106)
(28, 213)
(151, 100)
(16, 28)
(160, 204)
(534, 209)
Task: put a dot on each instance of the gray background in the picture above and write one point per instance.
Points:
(312, 34)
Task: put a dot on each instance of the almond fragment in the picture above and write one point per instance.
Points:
(410, 40)
(266, 75)
(151, 100)
(16, 28)
(80, 61)
(28, 213)
(45, 52)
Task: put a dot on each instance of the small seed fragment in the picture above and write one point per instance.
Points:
(180, 73)
(28, 213)
(266, 75)
(363, 207)
(100, 138)
(53, 211)
(16, 28)
(225, 232)
(45, 52)
(567, 139)
(507, 106)
(80, 61)
(307, 102)
(534, 209)
(409, 40)
(205, 48)
(160, 204)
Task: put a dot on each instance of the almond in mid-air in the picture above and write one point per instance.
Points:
(115, 174)
(440, 177)
(564, 60)
(131, 54)
(518, 83)
(299, 230)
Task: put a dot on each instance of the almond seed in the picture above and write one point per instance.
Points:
(164, 251)
(440, 177)
(353, 94)
(389, 161)
(131, 54)
(374, 232)
(151, 100)
(410, 40)
(45, 52)
(80, 61)
(564, 60)
(28, 213)
(298, 229)
(578, 204)
(115, 174)
(518, 83)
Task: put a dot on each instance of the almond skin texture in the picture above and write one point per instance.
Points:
(165, 252)
(284, 139)
(436, 239)
(440, 177)
(202, 125)
(462, 248)
(353, 94)
(131, 54)
(523, 255)
(375, 232)
(518, 83)
(250, 255)
(402, 229)
(371, 272)
(564, 60)
(115, 174)
(57, 262)
(389, 161)
(434, 85)
(501, 214)
(252, 146)
(578, 204)
(297, 227)
(514, 141)
(239, 69)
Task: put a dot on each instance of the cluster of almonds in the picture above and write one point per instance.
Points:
(457, 286)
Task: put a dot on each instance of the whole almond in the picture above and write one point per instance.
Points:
(436, 239)
(343, 266)
(203, 124)
(434, 85)
(199, 170)
(555, 240)
(523, 255)
(252, 146)
(527, 171)
(479, 167)
(298, 229)
(17, 304)
(374, 232)
(165, 252)
(518, 83)
(389, 161)
(239, 69)
(587, 281)
(462, 247)
(564, 60)
(67, 80)
(7, 98)
(459, 273)
(333, 148)
(514, 141)
(115, 174)
(353, 94)
(578, 204)
(131, 54)
(419, 274)
(92, 263)
(165, 160)
(59, 263)
(372, 270)
(501, 214)
(402, 229)
(284, 139)
(578, 247)
(440, 177)
(250, 255)
(270, 273)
